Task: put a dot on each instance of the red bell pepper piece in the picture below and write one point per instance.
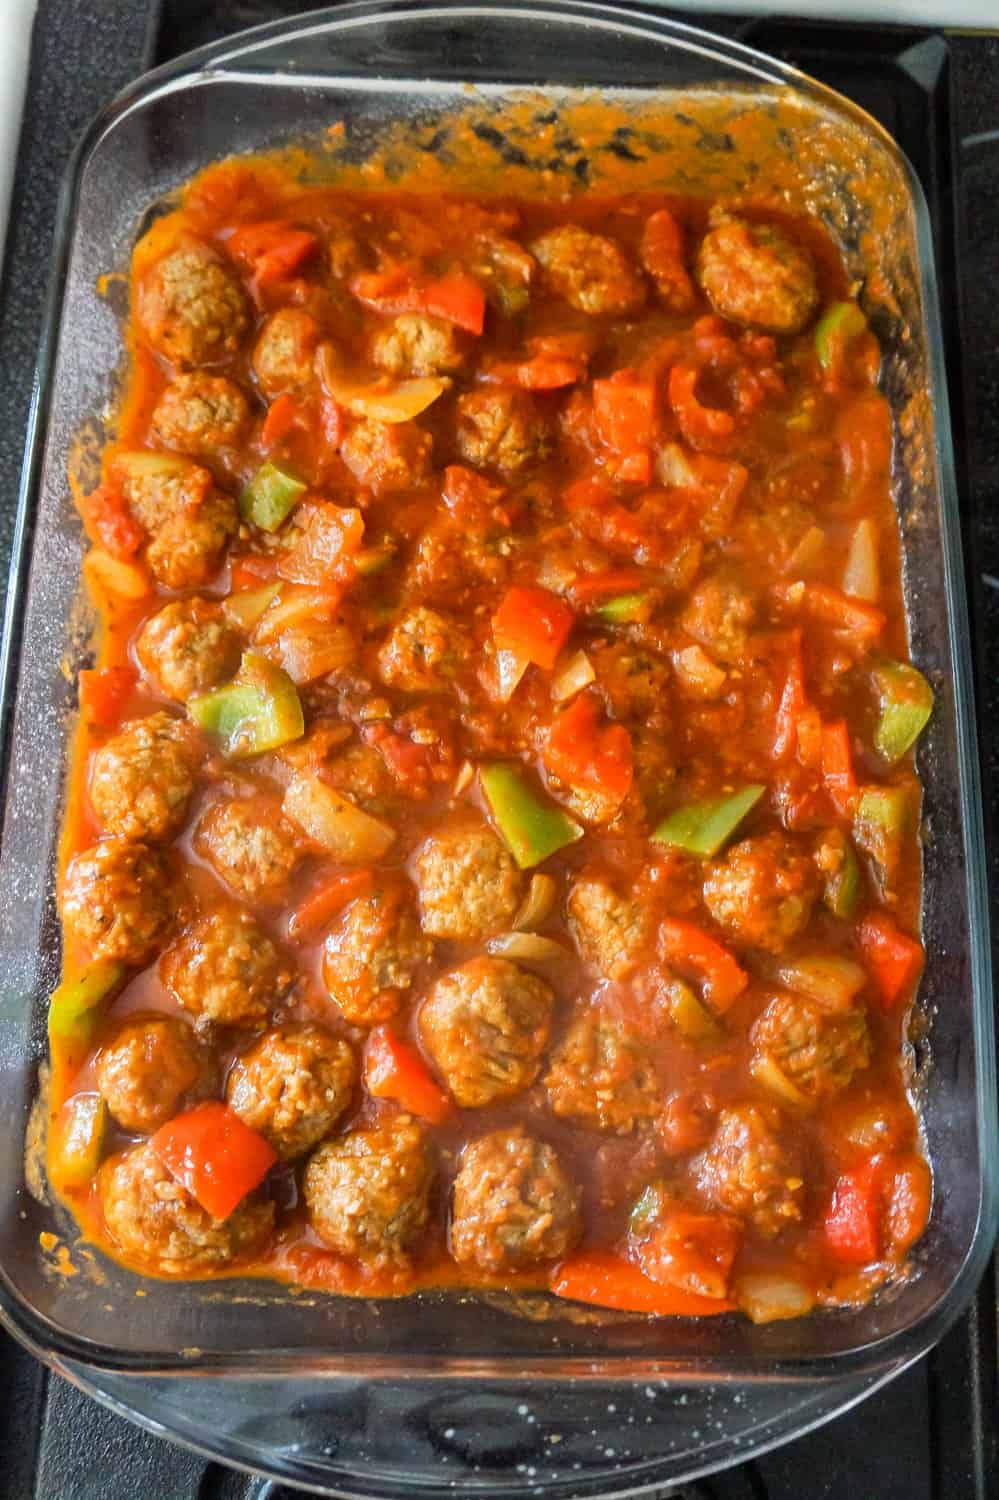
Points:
(282, 416)
(792, 702)
(214, 1155)
(605, 1280)
(896, 959)
(251, 571)
(395, 1070)
(541, 372)
(109, 519)
(456, 297)
(103, 693)
(271, 249)
(693, 951)
(624, 411)
(327, 899)
(587, 754)
(837, 767)
(534, 624)
(853, 1221)
(711, 426)
(824, 605)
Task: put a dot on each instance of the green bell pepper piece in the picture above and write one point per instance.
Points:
(842, 888)
(879, 826)
(533, 829)
(906, 704)
(75, 1007)
(839, 323)
(625, 609)
(79, 1141)
(270, 496)
(691, 1019)
(702, 827)
(259, 710)
(373, 560)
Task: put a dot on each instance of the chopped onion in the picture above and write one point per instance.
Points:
(537, 904)
(383, 400)
(702, 677)
(110, 575)
(766, 1297)
(314, 649)
(510, 668)
(807, 553)
(463, 780)
(527, 945)
(862, 574)
(833, 982)
(347, 832)
(244, 609)
(770, 1077)
(577, 674)
(297, 605)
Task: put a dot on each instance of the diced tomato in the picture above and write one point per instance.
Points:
(587, 754)
(606, 1280)
(880, 1208)
(272, 250)
(895, 958)
(103, 693)
(542, 372)
(694, 952)
(331, 421)
(692, 1252)
(282, 416)
(587, 495)
(837, 767)
(703, 426)
(534, 624)
(590, 586)
(395, 1070)
(808, 735)
(214, 1155)
(661, 253)
(863, 432)
(250, 571)
(456, 297)
(792, 702)
(323, 903)
(624, 411)
(111, 522)
(465, 490)
(852, 1222)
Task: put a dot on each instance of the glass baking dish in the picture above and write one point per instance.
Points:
(403, 73)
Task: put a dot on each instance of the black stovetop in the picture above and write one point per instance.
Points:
(933, 1434)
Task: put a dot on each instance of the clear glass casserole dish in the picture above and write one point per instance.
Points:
(406, 69)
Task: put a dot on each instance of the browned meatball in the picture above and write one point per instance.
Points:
(373, 954)
(119, 900)
(748, 1170)
(141, 780)
(501, 429)
(601, 1076)
(415, 344)
(187, 648)
(368, 1193)
(755, 274)
(513, 1204)
(423, 653)
(189, 306)
(201, 414)
(360, 774)
(720, 615)
(250, 844)
(284, 355)
(610, 930)
(225, 969)
(805, 1054)
(485, 1026)
(762, 892)
(589, 271)
(151, 1068)
(469, 885)
(159, 487)
(156, 1221)
(187, 551)
(292, 1086)
(388, 456)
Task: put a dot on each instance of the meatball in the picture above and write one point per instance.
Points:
(284, 354)
(601, 1076)
(485, 1026)
(589, 271)
(513, 1204)
(423, 652)
(762, 892)
(158, 487)
(373, 954)
(388, 456)
(118, 899)
(415, 344)
(156, 1221)
(251, 846)
(814, 1053)
(186, 552)
(501, 429)
(368, 1193)
(187, 648)
(610, 930)
(292, 1086)
(469, 885)
(141, 780)
(225, 969)
(747, 1170)
(360, 774)
(152, 1067)
(190, 308)
(720, 615)
(755, 274)
(201, 414)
